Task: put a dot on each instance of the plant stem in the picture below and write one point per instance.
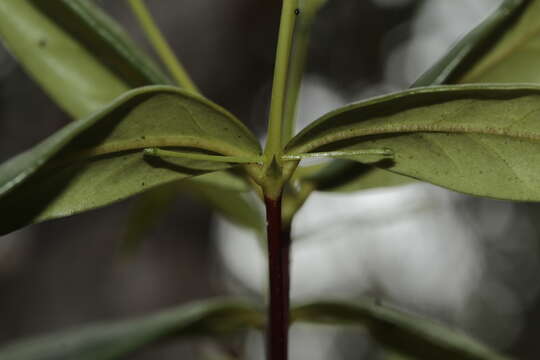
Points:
(279, 243)
(307, 11)
(161, 46)
(274, 142)
(296, 71)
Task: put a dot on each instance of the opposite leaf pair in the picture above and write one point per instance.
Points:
(479, 139)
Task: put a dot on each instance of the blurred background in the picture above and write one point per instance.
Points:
(469, 262)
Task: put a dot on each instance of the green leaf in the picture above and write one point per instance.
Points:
(146, 212)
(236, 207)
(516, 17)
(98, 160)
(105, 39)
(222, 191)
(115, 340)
(348, 176)
(66, 70)
(515, 57)
(504, 48)
(400, 332)
(477, 139)
(161, 46)
(225, 180)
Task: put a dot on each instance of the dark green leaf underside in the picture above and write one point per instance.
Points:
(481, 140)
(116, 340)
(409, 334)
(223, 191)
(348, 176)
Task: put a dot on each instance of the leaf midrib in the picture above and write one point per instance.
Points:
(120, 147)
(397, 130)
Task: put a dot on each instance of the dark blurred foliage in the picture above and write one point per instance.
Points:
(69, 272)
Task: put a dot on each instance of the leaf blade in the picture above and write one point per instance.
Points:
(105, 38)
(503, 49)
(470, 51)
(115, 339)
(515, 56)
(98, 160)
(473, 46)
(405, 333)
(445, 135)
(56, 60)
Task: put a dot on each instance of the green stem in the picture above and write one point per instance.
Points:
(161, 46)
(296, 69)
(204, 157)
(274, 143)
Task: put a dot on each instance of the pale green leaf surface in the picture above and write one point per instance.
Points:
(104, 38)
(116, 340)
(481, 140)
(401, 332)
(504, 48)
(98, 160)
(66, 70)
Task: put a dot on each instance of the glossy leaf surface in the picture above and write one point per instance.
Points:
(481, 140)
(98, 160)
(66, 70)
(115, 340)
(105, 39)
(412, 335)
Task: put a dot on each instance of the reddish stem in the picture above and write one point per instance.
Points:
(279, 244)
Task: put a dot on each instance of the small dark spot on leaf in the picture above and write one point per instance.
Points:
(142, 184)
(42, 42)
(297, 12)
(143, 137)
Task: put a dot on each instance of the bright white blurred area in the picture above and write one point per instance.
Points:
(436, 252)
